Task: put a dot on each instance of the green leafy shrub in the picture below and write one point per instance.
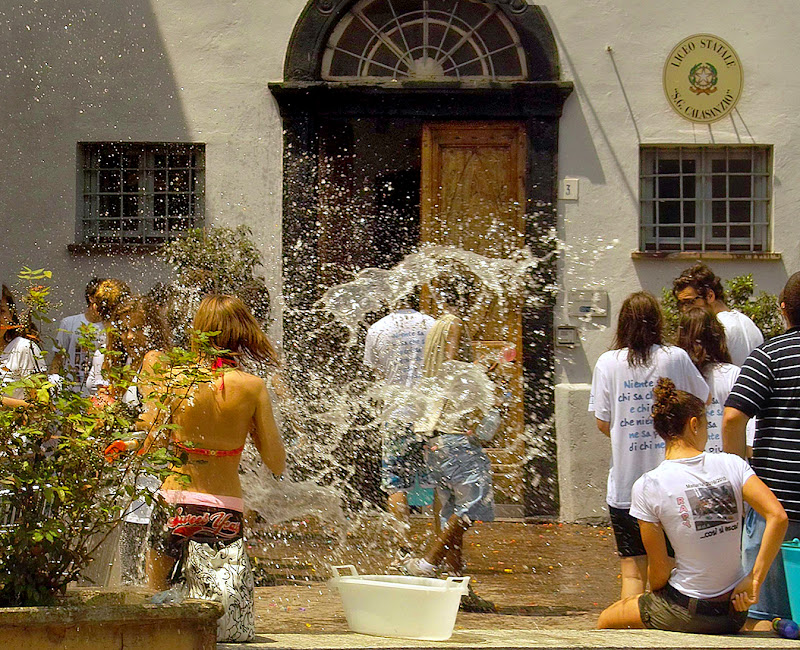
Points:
(739, 291)
(59, 497)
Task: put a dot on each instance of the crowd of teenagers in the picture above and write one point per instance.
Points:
(705, 443)
(195, 523)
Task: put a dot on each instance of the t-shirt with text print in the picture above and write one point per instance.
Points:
(623, 396)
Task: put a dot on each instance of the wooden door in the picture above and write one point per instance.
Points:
(473, 196)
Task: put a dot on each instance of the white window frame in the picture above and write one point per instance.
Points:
(709, 235)
(145, 228)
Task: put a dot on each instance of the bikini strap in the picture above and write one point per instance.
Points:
(199, 451)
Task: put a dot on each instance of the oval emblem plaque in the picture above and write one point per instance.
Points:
(703, 78)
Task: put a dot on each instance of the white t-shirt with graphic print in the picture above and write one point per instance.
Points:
(623, 396)
(698, 502)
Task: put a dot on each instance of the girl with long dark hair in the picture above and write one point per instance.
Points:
(21, 355)
(695, 498)
(621, 399)
(703, 337)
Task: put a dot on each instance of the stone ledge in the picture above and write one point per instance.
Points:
(520, 640)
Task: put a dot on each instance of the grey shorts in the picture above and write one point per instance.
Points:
(660, 610)
(462, 474)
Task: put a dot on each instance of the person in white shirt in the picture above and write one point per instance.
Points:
(394, 350)
(21, 355)
(698, 286)
(703, 337)
(621, 399)
(71, 359)
(695, 499)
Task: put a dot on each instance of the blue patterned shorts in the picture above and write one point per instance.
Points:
(402, 459)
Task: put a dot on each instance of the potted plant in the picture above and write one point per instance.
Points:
(59, 496)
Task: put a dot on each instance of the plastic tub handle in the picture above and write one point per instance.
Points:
(335, 569)
(461, 581)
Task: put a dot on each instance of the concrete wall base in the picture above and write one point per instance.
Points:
(584, 455)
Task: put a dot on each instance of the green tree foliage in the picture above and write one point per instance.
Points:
(219, 260)
(739, 293)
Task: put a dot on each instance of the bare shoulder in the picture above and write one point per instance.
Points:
(251, 383)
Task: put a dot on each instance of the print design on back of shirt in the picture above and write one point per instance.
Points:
(712, 505)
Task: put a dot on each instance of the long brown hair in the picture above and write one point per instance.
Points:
(639, 327)
(16, 327)
(673, 408)
(238, 329)
(703, 337)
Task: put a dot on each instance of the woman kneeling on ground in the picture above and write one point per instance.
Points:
(696, 499)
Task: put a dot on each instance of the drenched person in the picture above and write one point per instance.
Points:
(768, 388)
(621, 399)
(702, 336)
(71, 359)
(695, 498)
(697, 286)
(394, 350)
(200, 527)
(459, 467)
(21, 355)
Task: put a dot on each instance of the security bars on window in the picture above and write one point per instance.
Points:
(705, 198)
(140, 194)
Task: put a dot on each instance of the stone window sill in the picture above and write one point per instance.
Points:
(704, 255)
(81, 250)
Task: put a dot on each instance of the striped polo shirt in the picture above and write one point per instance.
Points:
(769, 387)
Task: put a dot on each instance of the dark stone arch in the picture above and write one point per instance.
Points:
(310, 35)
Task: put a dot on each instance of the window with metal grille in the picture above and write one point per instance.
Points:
(140, 194)
(705, 198)
(385, 40)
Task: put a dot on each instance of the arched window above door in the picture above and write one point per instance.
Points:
(425, 40)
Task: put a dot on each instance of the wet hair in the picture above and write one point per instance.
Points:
(700, 278)
(673, 408)
(639, 327)
(790, 297)
(457, 290)
(239, 331)
(16, 327)
(157, 330)
(703, 337)
(110, 293)
(91, 289)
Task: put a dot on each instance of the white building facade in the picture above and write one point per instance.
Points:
(125, 123)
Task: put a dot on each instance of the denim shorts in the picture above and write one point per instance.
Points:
(462, 475)
(403, 464)
(773, 598)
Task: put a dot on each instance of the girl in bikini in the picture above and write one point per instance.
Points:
(203, 497)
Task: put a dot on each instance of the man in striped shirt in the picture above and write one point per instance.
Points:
(769, 387)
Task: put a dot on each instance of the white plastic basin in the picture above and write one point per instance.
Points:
(404, 607)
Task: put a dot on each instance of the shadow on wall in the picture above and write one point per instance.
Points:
(72, 71)
(577, 146)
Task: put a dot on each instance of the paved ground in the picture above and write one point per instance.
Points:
(549, 581)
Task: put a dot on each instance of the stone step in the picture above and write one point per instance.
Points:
(520, 640)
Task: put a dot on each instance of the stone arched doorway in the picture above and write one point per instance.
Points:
(376, 93)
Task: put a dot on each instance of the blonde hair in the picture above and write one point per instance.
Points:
(109, 294)
(238, 329)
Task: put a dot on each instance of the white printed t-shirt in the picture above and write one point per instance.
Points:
(20, 358)
(720, 379)
(623, 396)
(698, 502)
(76, 357)
(394, 346)
(741, 334)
